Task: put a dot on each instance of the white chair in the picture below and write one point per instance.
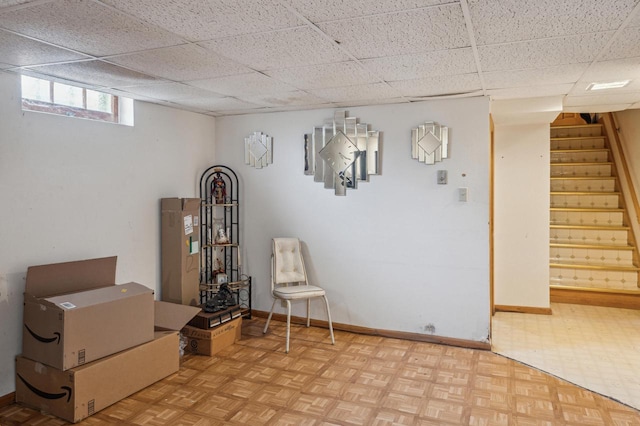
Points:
(289, 281)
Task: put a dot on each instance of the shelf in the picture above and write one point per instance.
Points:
(219, 245)
(221, 183)
(219, 205)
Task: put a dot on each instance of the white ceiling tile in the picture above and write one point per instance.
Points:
(243, 84)
(180, 63)
(438, 85)
(293, 98)
(324, 75)
(534, 77)
(366, 102)
(530, 91)
(620, 69)
(626, 45)
(329, 10)
(95, 72)
(597, 108)
(17, 50)
(597, 99)
(7, 3)
(356, 93)
(541, 53)
(500, 21)
(422, 30)
(170, 91)
(131, 95)
(418, 65)
(216, 103)
(86, 26)
(278, 49)
(635, 21)
(200, 20)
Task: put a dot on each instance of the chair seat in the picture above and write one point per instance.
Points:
(298, 292)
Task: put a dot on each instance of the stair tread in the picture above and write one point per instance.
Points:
(588, 163)
(583, 193)
(592, 246)
(588, 266)
(596, 227)
(577, 126)
(583, 177)
(570, 151)
(587, 209)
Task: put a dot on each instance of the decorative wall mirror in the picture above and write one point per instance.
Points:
(341, 152)
(257, 150)
(430, 143)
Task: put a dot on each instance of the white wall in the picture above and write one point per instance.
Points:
(398, 253)
(521, 215)
(74, 189)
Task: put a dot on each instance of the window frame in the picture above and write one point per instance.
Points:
(69, 111)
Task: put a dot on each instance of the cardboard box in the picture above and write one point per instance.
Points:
(74, 313)
(207, 320)
(181, 250)
(213, 340)
(82, 391)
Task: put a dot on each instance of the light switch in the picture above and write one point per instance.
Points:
(463, 194)
(442, 177)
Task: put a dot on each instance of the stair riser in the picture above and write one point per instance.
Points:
(587, 218)
(584, 256)
(589, 236)
(576, 132)
(594, 200)
(578, 144)
(583, 185)
(594, 278)
(580, 170)
(580, 157)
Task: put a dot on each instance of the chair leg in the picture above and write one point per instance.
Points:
(326, 303)
(308, 312)
(288, 323)
(266, 326)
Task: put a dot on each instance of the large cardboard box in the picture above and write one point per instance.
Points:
(82, 391)
(181, 250)
(74, 313)
(213, 340)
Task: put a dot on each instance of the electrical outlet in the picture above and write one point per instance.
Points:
(283, 304)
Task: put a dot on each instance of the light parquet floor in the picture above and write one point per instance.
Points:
(362, 380)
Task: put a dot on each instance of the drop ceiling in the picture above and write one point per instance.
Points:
(222, 57)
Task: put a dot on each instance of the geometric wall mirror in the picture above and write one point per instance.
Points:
(257, 150)
(341, 152)
(430, 142)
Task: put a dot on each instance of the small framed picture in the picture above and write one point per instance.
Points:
(222, 279)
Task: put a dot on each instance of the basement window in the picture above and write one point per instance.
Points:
(72, 101)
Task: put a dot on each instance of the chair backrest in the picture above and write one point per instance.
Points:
(287, 265)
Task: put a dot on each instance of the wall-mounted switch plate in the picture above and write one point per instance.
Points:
(463, 194)
(442, 177)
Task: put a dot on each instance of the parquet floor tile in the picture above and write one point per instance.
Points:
(362, 380)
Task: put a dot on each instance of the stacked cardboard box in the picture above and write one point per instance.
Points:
(87, 342)
(209, 332)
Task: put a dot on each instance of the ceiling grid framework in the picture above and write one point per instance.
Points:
(223, 57)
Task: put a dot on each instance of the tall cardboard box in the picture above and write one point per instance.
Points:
(181, 250)
(74, 313)
(82, 391)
